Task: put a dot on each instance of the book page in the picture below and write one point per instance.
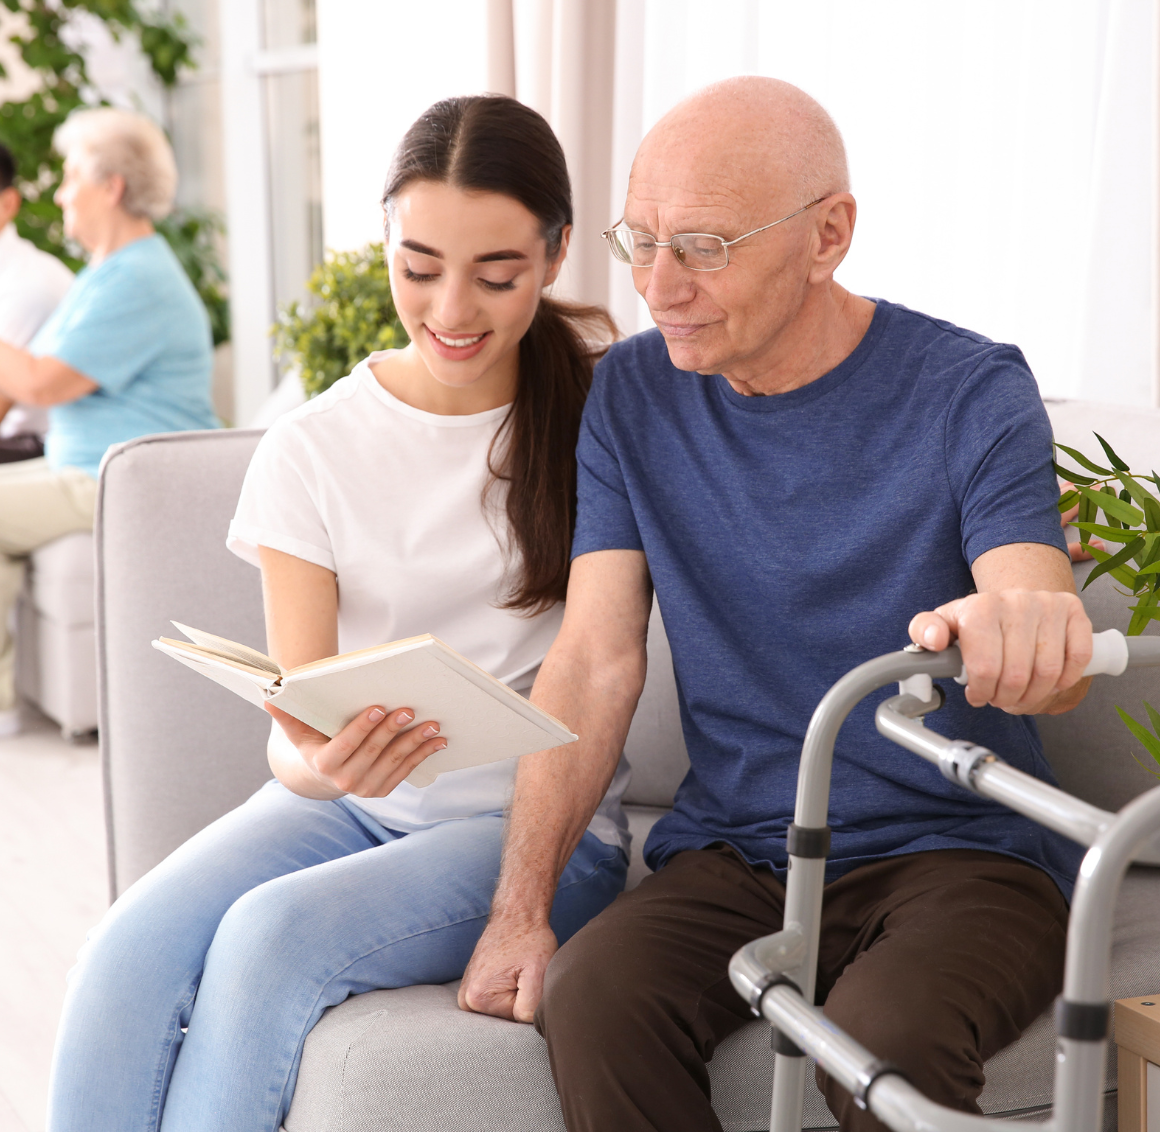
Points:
(241, 679)
(229, 648)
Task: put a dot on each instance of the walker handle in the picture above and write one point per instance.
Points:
(1112, 652)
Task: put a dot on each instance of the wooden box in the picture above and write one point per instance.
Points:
(1137, 1023)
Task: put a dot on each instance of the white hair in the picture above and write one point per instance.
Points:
(107, 142)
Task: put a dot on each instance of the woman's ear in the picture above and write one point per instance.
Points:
(115, 189)
(557, 261)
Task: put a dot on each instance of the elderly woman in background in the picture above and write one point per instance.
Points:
(128, 352)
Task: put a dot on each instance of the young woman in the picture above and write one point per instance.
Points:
(431, 490)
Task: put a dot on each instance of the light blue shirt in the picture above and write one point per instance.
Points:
(133, 324)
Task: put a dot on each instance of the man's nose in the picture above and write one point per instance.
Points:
(668, 282)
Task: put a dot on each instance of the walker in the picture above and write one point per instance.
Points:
(776, 974)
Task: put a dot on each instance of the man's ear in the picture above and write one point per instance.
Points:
(834, 234)
(557, 261)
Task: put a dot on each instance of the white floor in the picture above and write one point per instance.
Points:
(52, 890)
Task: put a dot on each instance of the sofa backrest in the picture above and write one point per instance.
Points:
(1091, 751)
(177, 751)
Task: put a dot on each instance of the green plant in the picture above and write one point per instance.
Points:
(1131, 518)
(27, 126)
(192, 235)
(349, 315)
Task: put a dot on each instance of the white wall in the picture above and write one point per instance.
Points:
(380, 65)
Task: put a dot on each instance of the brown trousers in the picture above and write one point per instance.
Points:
(934, 961)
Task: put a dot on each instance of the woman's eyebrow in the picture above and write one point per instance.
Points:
(493, 257)
(422, 249)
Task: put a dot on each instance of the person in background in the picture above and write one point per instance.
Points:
(128, 352)
(32, 282)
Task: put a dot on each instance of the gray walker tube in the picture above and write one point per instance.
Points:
(776, 974)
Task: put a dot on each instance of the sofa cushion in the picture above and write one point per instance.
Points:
(410, 1060)
(60, 579)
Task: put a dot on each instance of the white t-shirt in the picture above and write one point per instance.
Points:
(389, 498)
(32, 283)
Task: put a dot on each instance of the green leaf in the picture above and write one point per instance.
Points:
(1113, 506)
(1109, 492)
(1067, 500)
(1151, 568)
(1135, 489)
(1117, 463)
(1118, 559)
(1150, 742)
(1087, 510)
(1143, 611)
(1123, 574)
(1081, 459)
(1152, 514)
(1114, 534)
(1153, 716)
(1070, 476)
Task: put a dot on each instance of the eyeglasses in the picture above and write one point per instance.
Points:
(698, 251)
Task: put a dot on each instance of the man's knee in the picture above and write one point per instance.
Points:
(920, 1025)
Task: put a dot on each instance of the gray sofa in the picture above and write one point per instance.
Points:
(178, 751)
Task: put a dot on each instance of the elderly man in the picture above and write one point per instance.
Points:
(128, 351)
(797, 471)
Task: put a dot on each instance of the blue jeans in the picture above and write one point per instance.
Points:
(190, 1001)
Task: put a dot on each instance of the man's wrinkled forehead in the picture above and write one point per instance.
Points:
(666, 196)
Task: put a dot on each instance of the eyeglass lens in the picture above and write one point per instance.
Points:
(696, 250)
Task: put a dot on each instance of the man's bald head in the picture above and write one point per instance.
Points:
(767, 134)
(761, 165)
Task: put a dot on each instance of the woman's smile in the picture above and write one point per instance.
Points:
(457, 347)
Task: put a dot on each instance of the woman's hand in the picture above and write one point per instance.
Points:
(369, 757)
(1075, 550)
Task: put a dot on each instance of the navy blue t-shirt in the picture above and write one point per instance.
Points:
(792, 537)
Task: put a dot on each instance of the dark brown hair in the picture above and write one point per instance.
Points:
(490, 143)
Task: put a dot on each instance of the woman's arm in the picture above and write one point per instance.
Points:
(372, 754)
(40, 381)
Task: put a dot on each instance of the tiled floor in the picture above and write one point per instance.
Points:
(52, 890)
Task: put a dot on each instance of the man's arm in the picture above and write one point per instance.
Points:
(39, 381)
(1024, 635)
(591, 678)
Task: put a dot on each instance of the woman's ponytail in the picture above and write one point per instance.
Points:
(534, 454)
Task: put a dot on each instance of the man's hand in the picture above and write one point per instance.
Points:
(591, 679)
(1024, 636)
(505, 977)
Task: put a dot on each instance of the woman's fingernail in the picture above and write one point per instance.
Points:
(403, 717)
(376, 714)
(431, 730)
(929, 636)
(441, 746)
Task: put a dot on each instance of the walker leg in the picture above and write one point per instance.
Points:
(789, 1083)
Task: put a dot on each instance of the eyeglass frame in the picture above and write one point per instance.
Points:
(608, 233)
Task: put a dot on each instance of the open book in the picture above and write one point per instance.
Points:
(482, 719)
